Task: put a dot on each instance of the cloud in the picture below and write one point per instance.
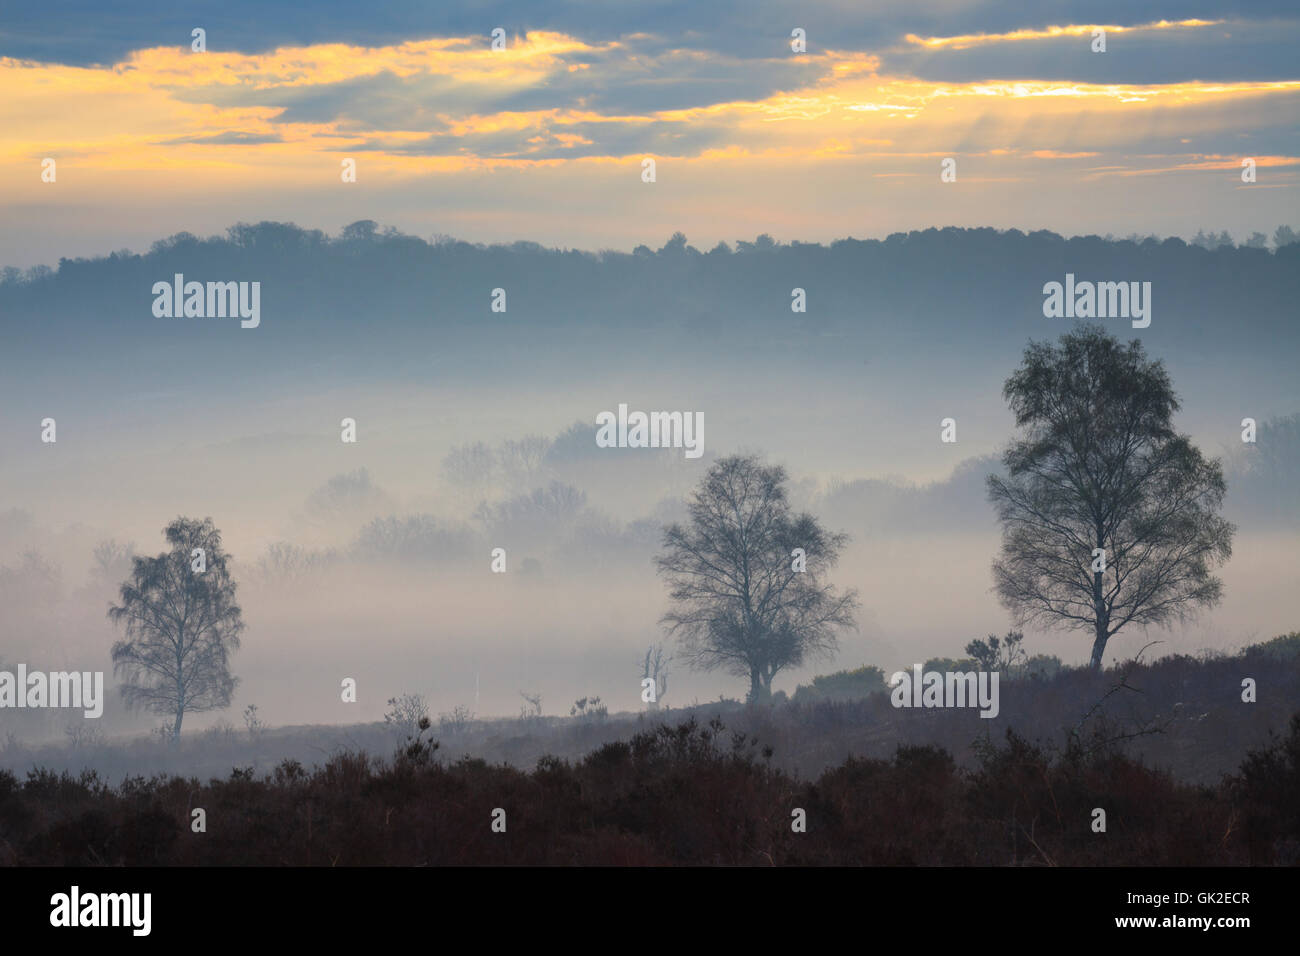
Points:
(550, 139)
(1152, 54)
(231, 137)
(584, 88)
(409, 89)
(85, 32)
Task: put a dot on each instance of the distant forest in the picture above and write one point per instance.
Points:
(312, 277)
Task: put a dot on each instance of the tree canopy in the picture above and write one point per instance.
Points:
(1109, 517)
(181, 625)
(743, 600)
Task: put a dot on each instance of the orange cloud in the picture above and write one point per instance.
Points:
(171, 113)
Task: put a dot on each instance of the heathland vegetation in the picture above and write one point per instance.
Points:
(1156, 747)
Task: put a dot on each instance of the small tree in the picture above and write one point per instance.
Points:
(532, 709)
(589, 708)
(995, 653)
(743, 599)
(655, 668)
(253, 722)
(1109, 517)
(112, 560)
(81, 736)
(405, 713)
(456, 721)
(182, 624)
(417, 750)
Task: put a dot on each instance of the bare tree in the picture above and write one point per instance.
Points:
(285, 562)
(253, 722)
(182, 624)
(655, 668)
(470, 466)
(405, 714)
(456, 721)
(82, 736)
(1109, 517)
(412, 538)
(744, 600)
(112, 559)
(521, 460)
(533, 706)
(347, 493)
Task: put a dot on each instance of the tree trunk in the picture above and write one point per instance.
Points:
(1098, 645)
(180, 705)
(180, 682)
(1101, 620)
(755, 684)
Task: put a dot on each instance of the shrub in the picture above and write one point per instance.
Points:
(1284, 647)
(405, 714)
(842, 685)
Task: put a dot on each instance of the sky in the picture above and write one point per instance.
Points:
(546, 138)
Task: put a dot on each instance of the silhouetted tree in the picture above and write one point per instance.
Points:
(411, 538)
(740, 603)
(1266, 485)
(470, 466)
(998, 653)
(181, 626)
(112, 559)
(405, 713)
(520, 461)
(1108, 516)
(655, 669)
(533, 706)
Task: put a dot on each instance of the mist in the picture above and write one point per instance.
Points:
(372, 560)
